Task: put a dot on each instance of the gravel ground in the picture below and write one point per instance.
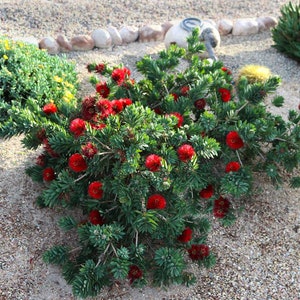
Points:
(257, 258)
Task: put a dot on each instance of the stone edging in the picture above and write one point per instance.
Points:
(111, 36)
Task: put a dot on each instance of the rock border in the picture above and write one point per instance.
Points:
(107, 37)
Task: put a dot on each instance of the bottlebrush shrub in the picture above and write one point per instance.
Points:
(153, 162)
(35, 88)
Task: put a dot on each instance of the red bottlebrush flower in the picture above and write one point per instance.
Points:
(95, 190)
(50, 108)
(185, 152)
(158, 110)
(226, 70)
(232, 166)
(95, 217)
(77, 127)
(156, 201)
(102, 89)
(134, 273)
(184, 90)
(89, 150)
(179, 118)
(41, 160)
(98, 126)
(234, 141)
(175, 96)
(48, 148)
(186, 235)
(200, 104)
(117, 106)
(153, 162)
(221, 207)
(197, 252)
(48, 174)
(207, 192)
(119, 75)
(100, 68)
(105, 108)
(77, 163)
(125, 102)
(222, 202)
(225, 94)
(219, 212)
(88, 110)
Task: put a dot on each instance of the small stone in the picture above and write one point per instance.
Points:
(129, 34)
(115, 35)
(245, 27)
(225, 26)
(167, 25)
(151, 33)
(265, 23)
(64, 44)
(82, 43)
(102, 38)
(50, 44)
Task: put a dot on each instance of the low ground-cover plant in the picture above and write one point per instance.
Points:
(30, 79)
(286, 34)
(153, 162)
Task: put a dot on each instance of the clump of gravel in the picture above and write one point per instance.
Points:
(257, 258)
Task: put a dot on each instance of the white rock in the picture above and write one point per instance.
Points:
(50, 44)
(265, 23)
(245, 27)
(64, 44)
(102, 38)
(225, 26)
(129, 34)
(82, 43)
(115, 35)
(151, 33)
(28, 40)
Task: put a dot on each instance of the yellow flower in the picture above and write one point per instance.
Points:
(69, 85)
(6, 45)
(68, 96)
(57, 79)
(5, 56)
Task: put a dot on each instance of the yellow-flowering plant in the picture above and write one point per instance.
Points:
(33, 85)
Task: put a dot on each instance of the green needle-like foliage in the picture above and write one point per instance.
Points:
(150, 163)
(286, 34)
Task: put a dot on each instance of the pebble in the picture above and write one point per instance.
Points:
(245, 27)
(151, 33)
(225, 26)
(82, 43)
(64, 44)
(102, 38)
(50, 44)
(115, 35)
(129, 34)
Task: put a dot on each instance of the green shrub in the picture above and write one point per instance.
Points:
(29, 80)
(153, 163)
(286, 34)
